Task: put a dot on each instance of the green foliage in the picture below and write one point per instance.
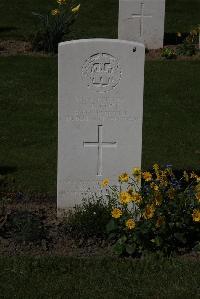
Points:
(193, 37)
(54, 26)
(88, 219)
(162, 215)
(168, 53)
(25, 226)
(186, 49)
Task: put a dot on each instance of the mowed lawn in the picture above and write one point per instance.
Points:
(98, 18)
(28, 119)
(89, 278)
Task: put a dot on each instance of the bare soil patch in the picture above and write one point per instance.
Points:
(57, 240)
(18, 47)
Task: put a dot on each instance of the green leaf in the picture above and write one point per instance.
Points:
(156, 241)
(196, 248)
(180, 237)
(119, 248)
(122, 240)
(111, 226)
(130, 248)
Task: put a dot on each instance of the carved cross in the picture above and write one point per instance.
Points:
(141, 17)
(100, 145)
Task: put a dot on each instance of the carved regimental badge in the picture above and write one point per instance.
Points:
(101, 72)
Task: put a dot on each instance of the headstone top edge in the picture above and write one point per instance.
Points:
(99, 40)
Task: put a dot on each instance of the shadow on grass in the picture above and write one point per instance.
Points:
(173, 39)
(6, 29)
(4, 170)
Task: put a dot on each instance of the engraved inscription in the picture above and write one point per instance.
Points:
(101, 116)
(100, 144)
(83, 188)
(141, 17)
(101, 109)
(101, 72)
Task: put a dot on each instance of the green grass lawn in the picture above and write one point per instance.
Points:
(28, 118)
(98, 18)
(181, 15)
(28, 101)
(56, 278)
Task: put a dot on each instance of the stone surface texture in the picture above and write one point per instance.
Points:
(142, 21)
(100, 110)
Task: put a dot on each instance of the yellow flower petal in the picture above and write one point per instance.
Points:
(124, 177)
(55, 12)
(196, 215)
(149, 212)
(76, 9)
(105, 182)
(124, 197)
(61, 1)
(147, 176)
(130, 224)
(116, 213)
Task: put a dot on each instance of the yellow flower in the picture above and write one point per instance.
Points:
(196, 215)
(136, 197)
(156, 167)
(105, 182)
(137, 174)
(130, 224)
(197, 188)
(55, 12)
(154, 187)
(179, 34)
(149, 211)
(136, 171)
(163, 179)
(124, 197)
(186, 176)
(158, 199)
(116, 213)
(194, 32)
(198, 196)
(160, 221)
(123, 177)
(171, 193)
(76, 9)
(61, 2)
(147, 176)
(193, 175)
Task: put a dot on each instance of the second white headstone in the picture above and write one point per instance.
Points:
(100, 114)
(142, 21)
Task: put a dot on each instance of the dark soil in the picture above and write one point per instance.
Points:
(18, 47)
(15, 240)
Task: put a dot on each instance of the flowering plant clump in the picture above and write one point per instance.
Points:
(154, 211)
(191, 43)
(168, 53)
(54, 25)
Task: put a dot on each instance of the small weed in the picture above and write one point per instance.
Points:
(89, 219)
(168, 53)
(26, 226)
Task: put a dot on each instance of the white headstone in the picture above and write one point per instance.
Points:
(142, 21)
(100, 114)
